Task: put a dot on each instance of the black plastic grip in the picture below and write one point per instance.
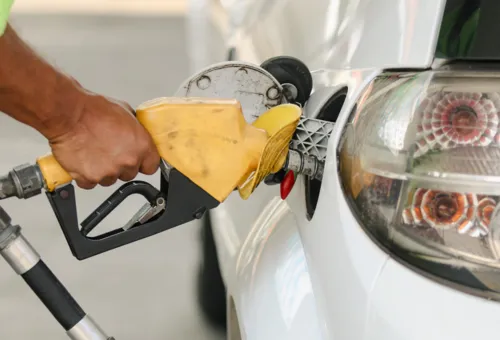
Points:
(54, 295)
(185, 201)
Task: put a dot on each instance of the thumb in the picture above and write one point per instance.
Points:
(151, 162)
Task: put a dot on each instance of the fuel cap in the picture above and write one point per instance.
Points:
(255, 88)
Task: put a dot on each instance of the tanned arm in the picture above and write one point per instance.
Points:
(96, 139)
(33, 92)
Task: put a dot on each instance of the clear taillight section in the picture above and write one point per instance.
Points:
(443, 210)
(420, 162)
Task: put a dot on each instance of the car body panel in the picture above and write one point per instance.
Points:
(272, 280)
(338, 34)
(355, 290)
(339, 272)
(428, 310)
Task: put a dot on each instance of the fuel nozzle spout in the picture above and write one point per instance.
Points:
(23, 181)
(307, 165)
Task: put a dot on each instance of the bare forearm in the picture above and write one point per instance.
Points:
(34, 92)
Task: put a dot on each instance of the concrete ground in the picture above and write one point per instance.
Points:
(141, 291)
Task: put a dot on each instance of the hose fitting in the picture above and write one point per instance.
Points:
(24, 181)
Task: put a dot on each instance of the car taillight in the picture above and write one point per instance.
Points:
(420, 162)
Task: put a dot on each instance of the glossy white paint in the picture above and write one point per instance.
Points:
(292, 278)
(425, 310)
(273, 279)
(338, 34)
(344, 263)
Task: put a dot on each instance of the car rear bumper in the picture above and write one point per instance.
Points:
(363, 293)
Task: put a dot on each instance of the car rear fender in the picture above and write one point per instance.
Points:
(270, 283)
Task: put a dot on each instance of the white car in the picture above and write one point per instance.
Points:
(399, 240)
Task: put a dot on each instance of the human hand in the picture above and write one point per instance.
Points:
(104, 144)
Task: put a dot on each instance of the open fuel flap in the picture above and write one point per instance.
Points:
(277, 81)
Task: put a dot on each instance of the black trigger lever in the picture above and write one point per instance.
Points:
(144, 189)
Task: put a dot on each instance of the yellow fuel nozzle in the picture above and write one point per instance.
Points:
(209, 141)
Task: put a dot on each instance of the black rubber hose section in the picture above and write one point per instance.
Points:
(54, 295)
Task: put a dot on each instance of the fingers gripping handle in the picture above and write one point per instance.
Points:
(52, 172)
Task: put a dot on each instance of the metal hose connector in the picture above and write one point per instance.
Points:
(23, 181)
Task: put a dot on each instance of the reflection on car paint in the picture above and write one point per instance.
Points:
(292, 280)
